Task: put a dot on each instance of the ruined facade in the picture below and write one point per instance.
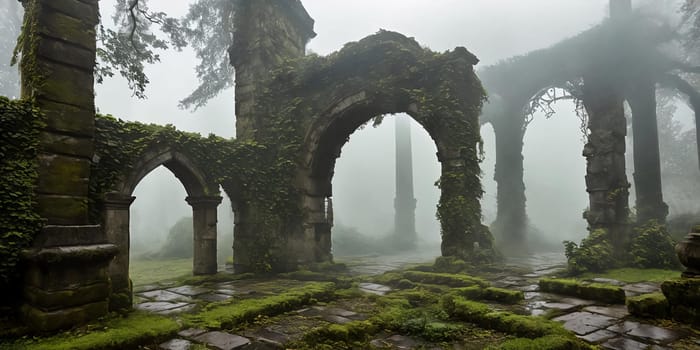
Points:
(578, 65)
(294, 113)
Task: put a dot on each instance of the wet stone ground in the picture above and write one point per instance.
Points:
(609, 326)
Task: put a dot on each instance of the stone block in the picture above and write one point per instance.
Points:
(53, 320)
(66, 84)
(223, 341)
(57, 25)
(55, 236)
(62, 52)
(62, 210)
(57, 276)
(72, 297)
(66, 144)
(68, 119)
(82, 10)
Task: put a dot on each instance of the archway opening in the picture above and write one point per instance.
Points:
(161, 230)
(554, 174)
(384, 195)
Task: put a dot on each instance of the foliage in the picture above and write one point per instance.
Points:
(593, 255)
(653, 247)
(19, 137)
(116, 332)
(178, 244)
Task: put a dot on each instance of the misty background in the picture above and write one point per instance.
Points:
(363, 185)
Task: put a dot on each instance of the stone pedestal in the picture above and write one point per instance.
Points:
(66, 280)
(116, 221)
(204, 220)
(688, 252)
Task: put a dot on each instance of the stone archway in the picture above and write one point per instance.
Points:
(202, 195)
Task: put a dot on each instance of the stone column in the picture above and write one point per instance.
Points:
(641, 97)
(606, 180)
(511, 219)
(267, 33)
(204, 221)
(116, 225)
(66, 279)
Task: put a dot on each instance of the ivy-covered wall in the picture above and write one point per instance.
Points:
(20, 123)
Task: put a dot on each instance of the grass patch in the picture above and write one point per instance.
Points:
(549, 342)
(592, 291)
(113, 333)
(228, 315)
(144, 272)
(631, 275)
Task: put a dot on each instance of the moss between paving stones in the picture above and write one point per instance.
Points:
(506, 296)
(481, 314)
(228, 315)
(592, 291)
(653, 305)
(549, 342)
(116, 333)
(446, 279)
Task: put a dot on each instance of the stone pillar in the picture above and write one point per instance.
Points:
(606, 181)
(510, 226)
(204, 221)
(116, 225)
(404, 202)
(641, 97)
(66, 279)
(267, 33)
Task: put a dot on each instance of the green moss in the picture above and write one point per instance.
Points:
(634, 275)
(549, 342)
(491, 293)
(653, 305)
(228, 315)
(482, 315)
(114, 333)
(452, 280)
(449, 264)
(683, 296)
(592, 291)
(653, 247)
(594, 254)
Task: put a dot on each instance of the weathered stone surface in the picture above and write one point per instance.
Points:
(657, 334)
(176, 344)
(583, 323)
(395, 342)
(67, 54)
(621, 343)
(641, 288)
(187, 308)
(189, 290)
(270, 336)
(62, 210)
(67, 85)
(213, 297)
(66, 145)
(76, 296)
(158, 306)
(336, 319)
(55, 236)
(598, 336)
(63, 318)
(64, 175)
(688, 251)
(223, 341)
(191, 332)
(86, 11)
(612, 311)
(67, 118)
(69, 29)
(559, 306)
(164, 295)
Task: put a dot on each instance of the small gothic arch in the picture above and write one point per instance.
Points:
(203, 197)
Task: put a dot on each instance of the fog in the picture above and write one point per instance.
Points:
(363, 186)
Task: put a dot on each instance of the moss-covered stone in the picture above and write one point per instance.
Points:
(491, 293)
(549, 342)
(452, 280)
(653, 305)
(591, 291)
(449, 264)
(683, 297)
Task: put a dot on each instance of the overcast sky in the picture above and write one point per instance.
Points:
(364, 178)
